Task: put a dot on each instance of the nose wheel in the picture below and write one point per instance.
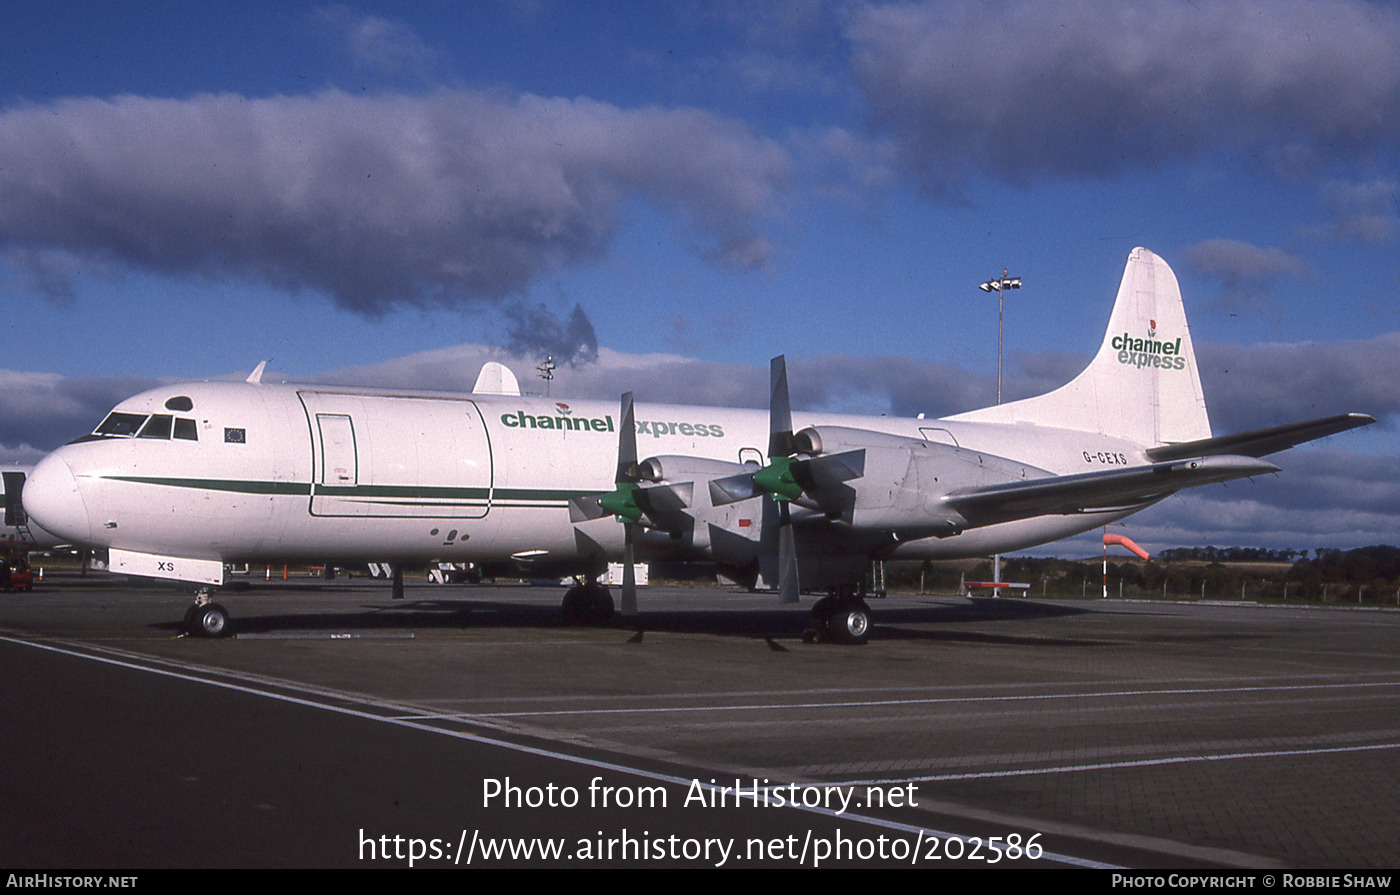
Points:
(206, 618)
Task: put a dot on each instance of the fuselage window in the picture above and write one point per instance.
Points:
(120, 424)
(185, 428)
(157, 427)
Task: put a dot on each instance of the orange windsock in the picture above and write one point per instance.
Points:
(1124, 541)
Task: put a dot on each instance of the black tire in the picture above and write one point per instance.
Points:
(819, 620)
(602, 607)
(575, 606)
(209, 620)
(850, 623)
(588, 605)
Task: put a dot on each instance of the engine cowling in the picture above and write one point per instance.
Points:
(902, 480)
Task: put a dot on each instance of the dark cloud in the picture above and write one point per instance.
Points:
(1324, 497)
(1368, 211)
(1246, 272)
(448, 199)
(44, 410)
(1030, 89)
(537, 331)
(886, 385)
(1254, 386)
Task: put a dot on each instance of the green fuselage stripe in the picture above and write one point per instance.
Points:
(398, 492)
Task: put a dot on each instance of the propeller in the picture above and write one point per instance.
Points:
(625, 502)
(777, 478)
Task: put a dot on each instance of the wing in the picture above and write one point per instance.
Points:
(1095, 491)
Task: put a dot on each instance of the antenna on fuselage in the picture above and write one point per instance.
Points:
(255, 377)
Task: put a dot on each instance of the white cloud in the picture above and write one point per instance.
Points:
(382, 45)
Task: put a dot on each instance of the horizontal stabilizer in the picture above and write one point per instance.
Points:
(1260, 442)
(1097, 491)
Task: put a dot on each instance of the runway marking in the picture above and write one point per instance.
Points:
(583, 761)
(965, 688)
(872, 703)
(1115, 765)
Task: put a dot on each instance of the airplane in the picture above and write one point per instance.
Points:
(18, 533)
(177, 481)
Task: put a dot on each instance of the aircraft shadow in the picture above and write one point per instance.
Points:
(903, 622)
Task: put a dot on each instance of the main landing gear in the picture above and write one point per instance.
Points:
(842, 617)
(206, 618)
(589, 604)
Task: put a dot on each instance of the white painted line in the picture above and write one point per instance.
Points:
(1137, 763)
(942, 700)
(516, 747)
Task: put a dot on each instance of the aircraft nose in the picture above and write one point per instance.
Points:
(51, 498)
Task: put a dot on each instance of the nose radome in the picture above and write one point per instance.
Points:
(51, 498)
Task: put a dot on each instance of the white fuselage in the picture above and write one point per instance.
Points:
(288, 472)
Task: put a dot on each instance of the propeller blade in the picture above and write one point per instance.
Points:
(629, 573)
(627, 443)
(779, 410)
(732, 489)
(659, 500)
(627, 490)
(779, 478)
(622, 500)
(789, 588)
(586, 509)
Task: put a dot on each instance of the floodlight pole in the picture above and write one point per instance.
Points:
(999, 286)
(546, 371)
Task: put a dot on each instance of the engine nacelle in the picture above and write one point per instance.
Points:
(681, 505)
(902, 482)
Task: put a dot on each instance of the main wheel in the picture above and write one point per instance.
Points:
(588, 605)
(850, 623)
(603, 607)
(575, 606)
(819, 620)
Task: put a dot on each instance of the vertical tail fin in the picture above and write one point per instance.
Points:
(1143, 384)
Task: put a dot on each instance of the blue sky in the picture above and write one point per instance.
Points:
(666, 195)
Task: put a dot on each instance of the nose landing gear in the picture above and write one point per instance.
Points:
(206, 618)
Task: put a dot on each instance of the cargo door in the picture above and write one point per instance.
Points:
(399, 456)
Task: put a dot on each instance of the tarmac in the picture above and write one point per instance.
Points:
(466, 725)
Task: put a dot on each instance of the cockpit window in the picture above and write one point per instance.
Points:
(157, 427)
(161, 425)
(185, 428)
(120, 424)
(179, 402)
